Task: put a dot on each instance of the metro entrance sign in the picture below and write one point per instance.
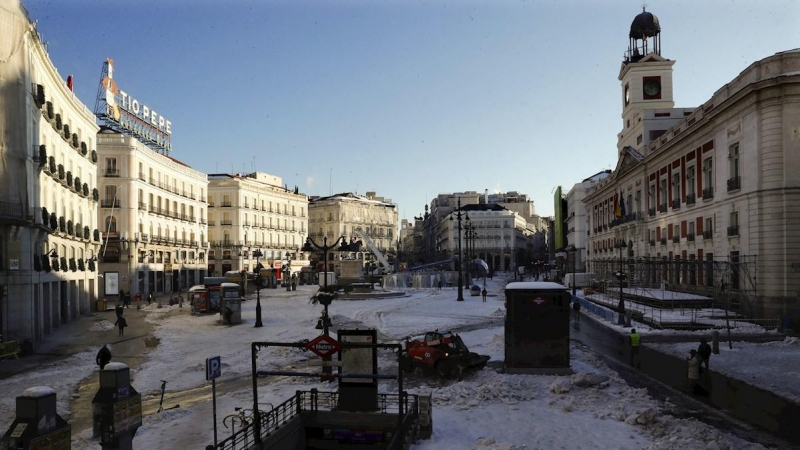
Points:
(324, 345)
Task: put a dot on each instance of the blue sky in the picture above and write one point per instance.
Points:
(406, 98)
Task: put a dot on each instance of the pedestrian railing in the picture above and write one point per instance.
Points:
(314, 400)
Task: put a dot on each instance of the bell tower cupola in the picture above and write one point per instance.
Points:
(646, 79)
(645, 37)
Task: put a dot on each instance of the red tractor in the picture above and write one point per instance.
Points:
(444, 353)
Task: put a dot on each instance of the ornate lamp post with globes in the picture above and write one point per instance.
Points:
(458, 216)
(257, 253)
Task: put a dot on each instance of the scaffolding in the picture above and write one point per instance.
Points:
(726, 283)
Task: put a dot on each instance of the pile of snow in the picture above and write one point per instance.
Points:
(101, 326)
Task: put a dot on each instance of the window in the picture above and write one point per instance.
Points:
(690, 183)
(734, 160)
(708, 230)
(734, 182)
(733, 224)
(662, 202)
(708, 179)
(676, 189)
(111, 167)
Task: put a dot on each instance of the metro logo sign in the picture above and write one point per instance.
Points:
(324, 346)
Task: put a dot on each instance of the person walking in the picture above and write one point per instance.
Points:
(103, 357)
(635, 342)
(704, 351)
(440, 284)
(126, 300)
(576, 309)
(121, 323)
(484, 294)
(149, 298)
(693, 372)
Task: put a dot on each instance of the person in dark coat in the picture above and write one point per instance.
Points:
(103, 357)
(704, 351)
(576, 308)
(121, 323)
(484, 294)
(149, 298)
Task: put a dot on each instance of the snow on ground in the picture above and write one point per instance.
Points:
(773, 366)
(486, 411)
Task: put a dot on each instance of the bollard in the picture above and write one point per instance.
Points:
(37, 424)
(116, 408)
(715, 342)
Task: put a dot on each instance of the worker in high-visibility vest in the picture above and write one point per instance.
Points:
(635, 341)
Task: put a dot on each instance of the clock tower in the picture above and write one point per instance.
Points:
(646, 76)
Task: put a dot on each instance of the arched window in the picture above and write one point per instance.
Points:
(111, 224)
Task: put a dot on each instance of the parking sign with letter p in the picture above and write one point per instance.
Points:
(213, 368)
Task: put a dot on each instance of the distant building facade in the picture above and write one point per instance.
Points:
(250, 212)
(344, 214)
(576, 220)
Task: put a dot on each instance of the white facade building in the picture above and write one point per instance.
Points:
(48, 224)
(576, 221)
(153, 219)
(252, 212)
(343, 214)
(713, 190)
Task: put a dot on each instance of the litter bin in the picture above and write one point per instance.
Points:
(101, 305)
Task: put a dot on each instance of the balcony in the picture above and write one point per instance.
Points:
(225, 204)
(109, 203)
(733, 231)
(690, 198)
(662, 208)
(109, 172)
(226, 223)
(142, 176)
(676, 240)
(663, 241)
(142, 206)
(734, 184)
(708, 235)
(676, 204)
(651, 212)
(708, 193)
(690, 237)
(652, 243)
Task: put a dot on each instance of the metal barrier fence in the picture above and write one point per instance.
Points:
(314, 400)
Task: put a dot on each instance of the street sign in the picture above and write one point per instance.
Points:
(321, 363)
(213, 368)
(324, 345)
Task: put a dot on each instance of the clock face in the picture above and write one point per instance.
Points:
(627, 94)
(652, 88)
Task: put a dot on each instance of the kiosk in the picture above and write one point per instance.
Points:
(198, 298)
(231, 303)
(116, 408)
(37, 424)
(537, 328)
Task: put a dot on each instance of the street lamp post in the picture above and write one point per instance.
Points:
(257, 253)
(287, 270)
(326, 322)
(309, 246)
(459, 214)
(571, 249)
(620, 244)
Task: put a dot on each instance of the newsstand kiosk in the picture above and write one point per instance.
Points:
(37, 424)
(537, 328)
(116, 408)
